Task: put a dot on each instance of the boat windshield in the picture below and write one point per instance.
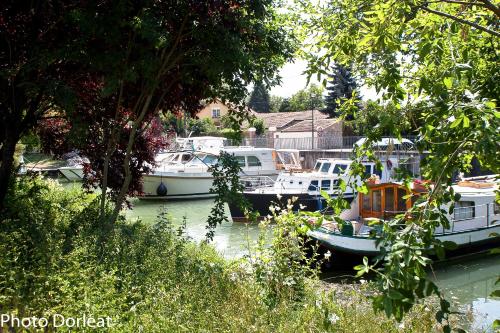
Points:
(317, 166)
(210, 159)
(325, 167)
(339, 169)
(204, 159)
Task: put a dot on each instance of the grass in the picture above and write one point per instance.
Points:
(57, 259)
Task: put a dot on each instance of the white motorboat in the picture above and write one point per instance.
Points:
(306, 186)
(474, 219)
(173, 179)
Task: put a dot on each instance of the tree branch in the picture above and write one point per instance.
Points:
(454, 18)
(491, 6)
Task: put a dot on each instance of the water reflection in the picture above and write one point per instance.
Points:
(231, 239)
(469, 284)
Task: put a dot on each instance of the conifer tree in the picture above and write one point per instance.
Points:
(342, 86)
(259, 99)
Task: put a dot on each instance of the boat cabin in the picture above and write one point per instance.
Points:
(386, 200)
(476, 208)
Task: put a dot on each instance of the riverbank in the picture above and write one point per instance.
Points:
(59, 260)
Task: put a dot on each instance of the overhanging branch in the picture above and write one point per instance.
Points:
(472, 24)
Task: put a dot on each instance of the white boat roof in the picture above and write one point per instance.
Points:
(384, 142)
(246, 148)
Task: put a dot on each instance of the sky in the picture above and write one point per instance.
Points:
(293, 80)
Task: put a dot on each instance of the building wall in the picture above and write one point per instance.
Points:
(288, 135)
(207, 111)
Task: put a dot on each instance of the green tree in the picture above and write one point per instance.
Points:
(275, 103)
(439, 59)
(259, 126)
(122, 62)
(259, 98)
(308, 99)
(341, 86)
(285, 105)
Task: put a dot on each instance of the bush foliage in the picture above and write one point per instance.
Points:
(56, 259)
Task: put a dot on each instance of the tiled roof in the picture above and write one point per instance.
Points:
(305, 125)
(284, 120)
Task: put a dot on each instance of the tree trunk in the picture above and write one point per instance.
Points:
(126, 163)
(7, 161)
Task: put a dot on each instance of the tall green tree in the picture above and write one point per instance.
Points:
(33, 65)
(259, 98)
(442, 58)
(341, 86)
(121, 63)
(310, 98)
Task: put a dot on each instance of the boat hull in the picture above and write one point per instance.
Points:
(187, 186)
(260, 202)
(466, 241)
(182, 186)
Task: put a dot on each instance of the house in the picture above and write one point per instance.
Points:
(213, 110)
(301, 124)
(296, 130)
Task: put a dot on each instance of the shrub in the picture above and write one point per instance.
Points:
(58, 259)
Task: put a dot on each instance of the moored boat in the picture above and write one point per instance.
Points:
(192, 180)
(306, 186)
(472, 222)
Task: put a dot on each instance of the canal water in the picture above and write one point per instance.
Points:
(468, 282)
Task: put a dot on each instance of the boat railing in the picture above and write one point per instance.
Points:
(254, 182)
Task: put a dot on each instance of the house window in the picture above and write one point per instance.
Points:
(313, 186)
(368, 170)
(215, 113)
(464, 210)
(325, 184)
(253, 161)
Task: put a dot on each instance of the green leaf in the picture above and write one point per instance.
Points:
(495, 293)
(448, 82)
(456, 123)
(394, 294)
(466, 121)
(388, 306)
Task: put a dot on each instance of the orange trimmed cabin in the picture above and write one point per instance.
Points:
(386, 200)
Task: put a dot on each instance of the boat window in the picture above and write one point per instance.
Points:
(186, 158)
(210, 159)
(325, 167)
(401, 200)
(313, 186)
(339, 168)
(317, 166)
(366, 202)
(496, 208)
(377, 171)
(241, 160)
(253, 161)
(464, 210)
(377, 201)
(325, 184)
(389, 199)
(368, 170)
